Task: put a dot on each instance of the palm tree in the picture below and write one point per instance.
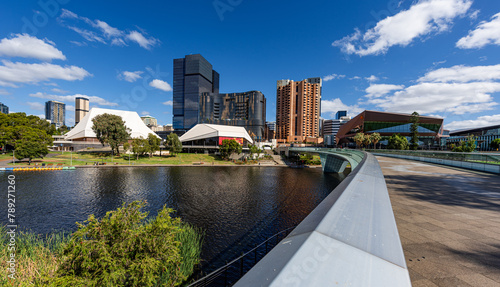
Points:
(375, 138)
(367, 140)
(359, 138)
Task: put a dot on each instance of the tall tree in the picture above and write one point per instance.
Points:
(367, 140)
(375, 138)
(229, 147)
(153, 144)
(110, 129)
(415, 118)
(31, 143)
(174, 145)
(359, 138)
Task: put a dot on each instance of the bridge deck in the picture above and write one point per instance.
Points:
(448, 221)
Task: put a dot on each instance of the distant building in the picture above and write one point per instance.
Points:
(81, 108)
(270, 131)
(298, 109)
(340, 114)
(207, 135)
(55, 112)
(483, 135)
(387, 124)
(4, 109)
(193, 76)
(149, 121)
(246, 110)
(330, 129)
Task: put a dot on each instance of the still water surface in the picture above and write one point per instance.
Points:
(237, 207)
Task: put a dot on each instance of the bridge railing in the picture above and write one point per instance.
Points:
(489, 162)
(349, 239)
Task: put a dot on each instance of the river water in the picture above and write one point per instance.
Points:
(237, 207)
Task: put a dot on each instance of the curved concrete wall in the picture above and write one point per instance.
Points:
(350, 239)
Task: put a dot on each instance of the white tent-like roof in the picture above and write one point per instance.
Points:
(132, 121)
(203, 131)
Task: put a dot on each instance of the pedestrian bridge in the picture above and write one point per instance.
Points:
(333, 159)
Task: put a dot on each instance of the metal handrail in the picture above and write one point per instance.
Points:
(209, 278)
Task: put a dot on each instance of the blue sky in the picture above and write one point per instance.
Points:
(438, 57)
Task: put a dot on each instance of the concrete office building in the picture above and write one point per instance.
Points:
(81, 108)
(193, 76)
(247, 109)
(149, 121)
(55, 112)
(4, 109)
(298, 109)
(330, 129)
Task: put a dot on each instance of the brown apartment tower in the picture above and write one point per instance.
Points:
(81, 108)
(298, 108)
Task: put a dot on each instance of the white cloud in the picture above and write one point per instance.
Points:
(100, 31)
(332, 77)
(332, 106)
(36, 106)
(484, 34)
(463, 74)
(425, 98)
(375, 91)
(56, 90)
(141, 40)
(482, 121)
(161, 85)
(371, 78)
(130, 76)
(422, 18)
(355, 78)
(13, 73)
(70, 108)
(145, 113)
(26, 46)
(4, 92)
(168, 103)
(71, 99)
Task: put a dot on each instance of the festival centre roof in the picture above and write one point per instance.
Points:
(132, 120)
(203, 131)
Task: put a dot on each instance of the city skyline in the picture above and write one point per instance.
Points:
(438, 57)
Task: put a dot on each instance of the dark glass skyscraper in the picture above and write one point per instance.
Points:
(193, 75)
(55, 112)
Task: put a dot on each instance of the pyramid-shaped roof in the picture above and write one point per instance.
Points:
(132, 121)
(203, 131)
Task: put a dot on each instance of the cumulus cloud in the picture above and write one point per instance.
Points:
(160, 85)
(482, 121)
(463, 74)
(100, 31)
(130, 76)
(4, 92)
(36, 106)
(145, 113)
(485, 33)
(71, 99)
(168, 103)
(14, 73)
(26, 46)
(144, 42)
(332, 77)
(372, 78)
(375, 91)
(421, 19)
(330, 107)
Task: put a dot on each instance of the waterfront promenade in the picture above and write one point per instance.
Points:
(448, 221)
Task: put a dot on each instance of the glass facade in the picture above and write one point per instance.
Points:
(4, 109)
(393, 127)
(55, 112)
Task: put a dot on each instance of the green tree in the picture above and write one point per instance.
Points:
(397, 141)
(375, 138)
(125, 248)
(139, 146)
(415, 118)
(359, 138)
(173, 143)
(110, 129)
(153, 144)
(229, 147)
(31, 143)
(495, 144)
(253, 150)
(367, 140)
(469, 145)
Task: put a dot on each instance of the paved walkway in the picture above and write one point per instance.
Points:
(448, 221)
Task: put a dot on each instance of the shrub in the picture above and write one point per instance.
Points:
(125, 249)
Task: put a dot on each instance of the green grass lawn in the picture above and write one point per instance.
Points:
(90, 158)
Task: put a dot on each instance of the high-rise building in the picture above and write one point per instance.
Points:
(4, 109)
(340, 114)
(149, 121)
(246, 110)
(55, 112)
(330, 129)
(298, 109)
(81, 108)
(193, 75)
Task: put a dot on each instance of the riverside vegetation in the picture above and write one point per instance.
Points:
(124, 248)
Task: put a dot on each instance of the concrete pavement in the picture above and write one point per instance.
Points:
(448, 221)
